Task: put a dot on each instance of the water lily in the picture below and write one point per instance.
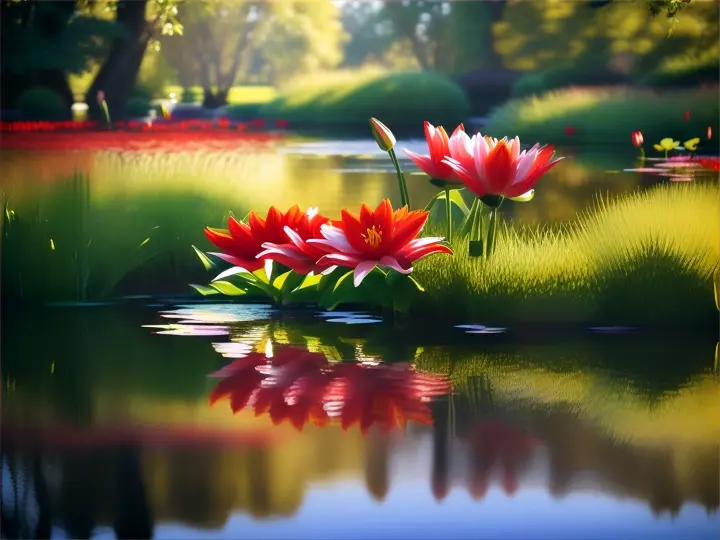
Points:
(637, 140)
(666, 145)
(241, 243)
(692, 144)
(383, 237)
(440, 146)
(708, 133)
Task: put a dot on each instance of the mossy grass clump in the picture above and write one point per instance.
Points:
(646, 259)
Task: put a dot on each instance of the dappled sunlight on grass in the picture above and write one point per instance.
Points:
(657, 247)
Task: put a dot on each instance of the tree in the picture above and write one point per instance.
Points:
(139, 22)
(537, 35)
(44, 41)
(226, 41)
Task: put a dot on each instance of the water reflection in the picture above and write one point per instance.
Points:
(609, 425)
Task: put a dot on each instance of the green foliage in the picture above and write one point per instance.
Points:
(584, 73)
(644, 259)
(607, 115)
(348, 100)
(43, 104)
(192, 94)
(137, 107)
(688, 76)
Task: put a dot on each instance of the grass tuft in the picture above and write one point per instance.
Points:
(642, 259)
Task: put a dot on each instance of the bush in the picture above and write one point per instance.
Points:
(582, 74)
(349, 99)
(192, 94)
(645, 259)
(708, 74)
(607, 115)
(43, 104)
(137, 107)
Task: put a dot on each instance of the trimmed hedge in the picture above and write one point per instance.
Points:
(348, 100)
(609, 115)
(43, 104)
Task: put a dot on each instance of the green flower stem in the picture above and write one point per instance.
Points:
(642, 153)
(106, 111)
(448, 216)
(404, 197)
(476, 230)
(492, 230)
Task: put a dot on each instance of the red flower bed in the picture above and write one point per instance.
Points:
(143, 140)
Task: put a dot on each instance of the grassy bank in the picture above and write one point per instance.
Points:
(609, 115)
(644, 259)
(238, 95)
(347, 99)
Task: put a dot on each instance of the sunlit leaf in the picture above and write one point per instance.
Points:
(204, 290)
(228, 289)
(52, 245)
(204, 259)
(456, 199)
(288, 282)
(416, 283)
(144, 242)
(311, 280)
(235, 270)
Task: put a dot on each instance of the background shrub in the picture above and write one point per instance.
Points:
(347, 100)
(581, 74)
(609, 116)
(137, 107)
(43, 104)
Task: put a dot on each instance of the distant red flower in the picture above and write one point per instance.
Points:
(282, 124)
(223, 122)
(708, 133)
(570, 131)
(637, 139)
(687, 115)
(712, 164)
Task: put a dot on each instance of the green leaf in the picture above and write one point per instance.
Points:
(204, 290)
(328, 281)
(456, 199)
(417, 284)
(310, 281)
(525, 197)
(432, 202)
(402, 289)
(228, 289)
(144, 242)
(372, 291)
(204, 259)
(288, 282)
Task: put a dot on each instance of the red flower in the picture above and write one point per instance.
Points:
(499, 168)
(242, 244)
(382, 237)
(439, 146)
(708, 133)
(637, 139)
(687, 115)
(710, 163)
(570, 131)
(281, 124)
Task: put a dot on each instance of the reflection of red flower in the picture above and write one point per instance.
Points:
(495, 444)
(300, 386)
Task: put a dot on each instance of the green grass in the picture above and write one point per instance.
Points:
(238, 95)
(643, 259)
(609, 115)
(348, 99)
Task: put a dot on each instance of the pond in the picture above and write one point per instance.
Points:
(134, 409)
(349, 430)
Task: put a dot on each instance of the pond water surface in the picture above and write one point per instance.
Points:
(159, 416)
(348, 430)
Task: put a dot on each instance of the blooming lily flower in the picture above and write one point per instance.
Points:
(666, 145)
(377, 238)
(242, 243)
(441, 146)
(692, 144)
(498, 168)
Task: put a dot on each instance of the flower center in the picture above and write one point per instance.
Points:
(373, 237)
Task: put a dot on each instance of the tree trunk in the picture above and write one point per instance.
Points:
(213, 100)
(118, 74)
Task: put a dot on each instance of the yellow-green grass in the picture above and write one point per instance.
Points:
(347, 99)
(643, 259)
(238, 95)
(609, 116)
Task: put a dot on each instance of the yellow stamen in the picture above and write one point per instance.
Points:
(373, 238)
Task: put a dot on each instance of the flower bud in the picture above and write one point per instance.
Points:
(383, 136)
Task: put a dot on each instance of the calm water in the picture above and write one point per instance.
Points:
(157, 417)
(108, 430)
